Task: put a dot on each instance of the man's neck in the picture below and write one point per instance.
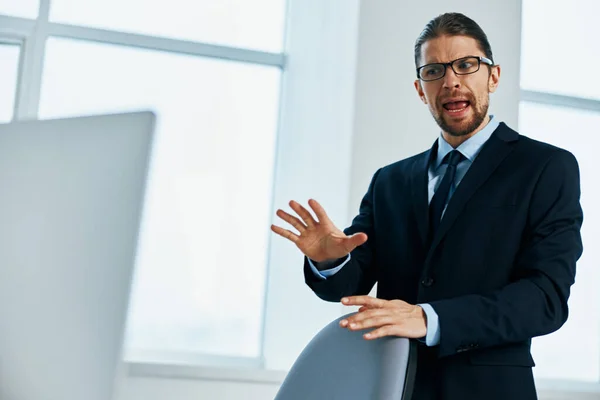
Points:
(456, 141)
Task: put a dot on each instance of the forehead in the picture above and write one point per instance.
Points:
(448, 48)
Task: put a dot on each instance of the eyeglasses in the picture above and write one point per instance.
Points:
(462, 66)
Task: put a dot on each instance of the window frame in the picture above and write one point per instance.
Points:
(32, 36)
(8, 38)
(313, 72)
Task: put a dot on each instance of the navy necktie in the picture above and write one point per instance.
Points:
(438, 202)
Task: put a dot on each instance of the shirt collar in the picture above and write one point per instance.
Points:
(471, 147)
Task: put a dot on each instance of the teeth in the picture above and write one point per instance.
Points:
(457, 111)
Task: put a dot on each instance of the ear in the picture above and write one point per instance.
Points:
(494, 78)
(420, 91)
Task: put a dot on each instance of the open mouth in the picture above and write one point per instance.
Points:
(456, 107)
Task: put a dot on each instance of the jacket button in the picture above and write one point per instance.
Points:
(427, 282)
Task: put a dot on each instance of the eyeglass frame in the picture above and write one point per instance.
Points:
(480, 60)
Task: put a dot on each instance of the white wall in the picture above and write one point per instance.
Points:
(343, 120)
(199, 384)
(314, 155)
(183, 389)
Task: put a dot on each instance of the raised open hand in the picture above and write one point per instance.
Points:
(318, 239)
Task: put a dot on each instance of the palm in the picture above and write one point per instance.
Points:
(319, 239)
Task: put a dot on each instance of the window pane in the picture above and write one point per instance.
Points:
(9, 72)
(573, 351)
(200, 279)
(254, 24)
(559, 47)
(20, 8)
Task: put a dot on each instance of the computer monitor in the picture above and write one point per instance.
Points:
(71, 195)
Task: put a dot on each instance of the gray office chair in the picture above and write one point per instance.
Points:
(338, 364)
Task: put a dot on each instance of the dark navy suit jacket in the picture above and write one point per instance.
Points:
(497, 272)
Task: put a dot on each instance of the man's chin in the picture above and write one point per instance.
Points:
(458, 128)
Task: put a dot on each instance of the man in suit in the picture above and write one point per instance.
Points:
(473, 242)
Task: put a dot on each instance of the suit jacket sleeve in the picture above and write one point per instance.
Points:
(357, 277)
(535, 302)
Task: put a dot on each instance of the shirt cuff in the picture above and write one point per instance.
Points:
(433, 326)
(326, 273)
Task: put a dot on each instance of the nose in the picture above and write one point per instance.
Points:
(451, 80)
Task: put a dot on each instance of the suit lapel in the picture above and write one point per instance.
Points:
(494, 151)
(419, 190)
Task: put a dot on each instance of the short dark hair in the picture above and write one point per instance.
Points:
(453, 24)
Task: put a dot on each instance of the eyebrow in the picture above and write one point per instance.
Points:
(453, 59)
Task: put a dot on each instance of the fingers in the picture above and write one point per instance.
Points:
(389, 317)
(303, 213)
(357, 239)
(377, 322)
(350, 242)
(387, 330)
(370, 319)
(369, 301)
(290, 219)
(385, 325)
(285, 233)
(368, 313)
(319, 211)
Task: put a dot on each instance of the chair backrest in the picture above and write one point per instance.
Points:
(340, 364)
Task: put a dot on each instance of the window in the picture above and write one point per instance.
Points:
(200, 282)
(75, 61)
(201, 274)
(561, 105)
(20, 8)
(9, 71)
(254, 24)
(559, 48)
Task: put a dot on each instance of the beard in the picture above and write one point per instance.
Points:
(463, 128)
